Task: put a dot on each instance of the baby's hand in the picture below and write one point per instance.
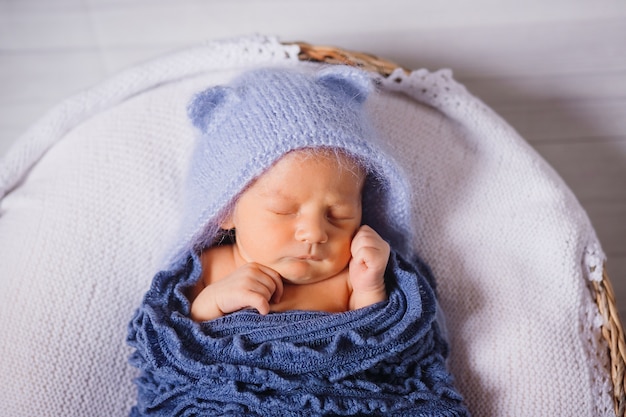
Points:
(370, 254)
(250, 286)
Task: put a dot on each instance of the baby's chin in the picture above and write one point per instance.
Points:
(306, 274)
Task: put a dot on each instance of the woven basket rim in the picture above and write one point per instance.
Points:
(602, 291)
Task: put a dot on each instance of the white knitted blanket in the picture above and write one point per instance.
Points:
(90, 200)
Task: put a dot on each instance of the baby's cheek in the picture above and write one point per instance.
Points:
(346, 251)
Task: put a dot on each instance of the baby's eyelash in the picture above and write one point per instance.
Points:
(331, 214)
(339, 216)
(280, 211)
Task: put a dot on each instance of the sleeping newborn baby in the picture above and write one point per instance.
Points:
(298, 243)
(293, 289)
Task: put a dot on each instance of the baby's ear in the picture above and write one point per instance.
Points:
(209, 107)
(228, 223)
(350, 82)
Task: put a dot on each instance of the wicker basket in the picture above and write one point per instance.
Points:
(602, 292)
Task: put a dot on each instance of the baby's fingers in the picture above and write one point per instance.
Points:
(275, 284)
(261, 286)
(257, 301)
(249, 292)
(367, 241)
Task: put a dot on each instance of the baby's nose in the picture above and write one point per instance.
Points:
(312, 229)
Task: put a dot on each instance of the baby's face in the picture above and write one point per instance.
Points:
(299, 217)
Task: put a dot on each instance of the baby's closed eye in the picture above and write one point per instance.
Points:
(340, 216)
(341, 213)
(282, 210)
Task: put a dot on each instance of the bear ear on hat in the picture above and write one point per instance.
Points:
(350, 82)
(208, 107)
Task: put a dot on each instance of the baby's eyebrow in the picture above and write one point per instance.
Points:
(277, 197)
(272, 193)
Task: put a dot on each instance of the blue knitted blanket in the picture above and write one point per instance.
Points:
(386, 359)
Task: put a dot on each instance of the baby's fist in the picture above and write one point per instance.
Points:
(370, 254)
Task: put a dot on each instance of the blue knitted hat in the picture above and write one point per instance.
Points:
(247, 126)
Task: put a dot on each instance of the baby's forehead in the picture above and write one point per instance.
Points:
(333, 159)
(305, 165)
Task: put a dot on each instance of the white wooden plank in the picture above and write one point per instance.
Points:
(47, 76)
(117, 59)
(553, 48)
(389, 15)
(38, 6)
(398, 22)
(609, 222)
(7, 137)
(18, 116)
(46, 29)
(515, 92)
(507, 41)
(568, 120)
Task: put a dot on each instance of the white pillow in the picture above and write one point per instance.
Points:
(92, 200)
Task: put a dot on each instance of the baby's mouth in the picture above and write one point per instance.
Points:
(309, 258)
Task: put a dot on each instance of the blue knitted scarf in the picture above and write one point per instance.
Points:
(386, 359)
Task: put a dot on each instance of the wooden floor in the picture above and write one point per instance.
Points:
(555, 69)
